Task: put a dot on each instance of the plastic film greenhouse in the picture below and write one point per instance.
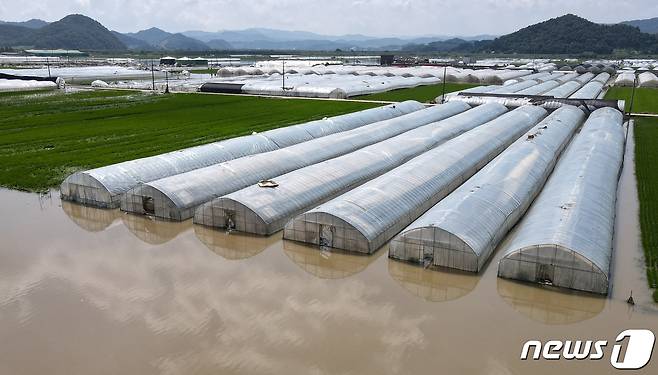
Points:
(176, 197)
(565, 239)
(104, 186)
(515, 87)
(647, 79)
(540, 88)
(264, 211)
(363, 219)
(463, 229)
(564, 90)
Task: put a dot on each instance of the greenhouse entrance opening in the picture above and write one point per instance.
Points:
(327, 235)
(148, 205)
(229, 223)
(545, 273)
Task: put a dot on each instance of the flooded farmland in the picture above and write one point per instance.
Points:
(85, 291)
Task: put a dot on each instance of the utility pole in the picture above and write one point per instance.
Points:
(443, 95)
(167, 79)
(48, 64)
(630, 109)
(152, 75)
(283, 76)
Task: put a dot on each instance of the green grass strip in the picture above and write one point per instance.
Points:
(646, 159)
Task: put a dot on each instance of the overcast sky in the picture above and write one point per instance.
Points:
(335, 17)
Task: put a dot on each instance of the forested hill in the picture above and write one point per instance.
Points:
(74, 31)
(571, 34)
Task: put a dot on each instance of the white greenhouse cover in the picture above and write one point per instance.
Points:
(647, 79)
(84, 72)
(625, 79)
(103, 186)
(176, 197)
(565, 239)
(564, 90)
(363, 219)
(264, 211)
(515, 87)
(590, 91)
(22, 85)
(540, 88)
(463, 229)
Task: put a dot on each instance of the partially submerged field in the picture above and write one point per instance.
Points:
(46, 136)
(423, 94)
(646, 159)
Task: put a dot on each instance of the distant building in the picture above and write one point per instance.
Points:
(168, 60)
(55, 52)
(387, 59)
(186, 61)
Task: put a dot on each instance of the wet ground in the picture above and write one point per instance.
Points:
(88, 291)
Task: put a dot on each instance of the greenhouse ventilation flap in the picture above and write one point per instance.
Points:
(265, 211)
(462, 230)
(565, 239)
(103, 187)
(364, 219)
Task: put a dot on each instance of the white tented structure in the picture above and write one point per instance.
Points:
(565, 239)
(540, 88)
(103, 187)
(363, 219)
(176, 197)
(625, 79)
(25, 85)
(514, 87)
(590, 91)
(602, 77)
(593, 88)
(265, 210)
(331, 86)
(647, 79)
(462, 230)
(564, 90)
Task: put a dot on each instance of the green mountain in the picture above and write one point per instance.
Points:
(571, 34)
(76, 31)
(133, 43)
(646, 26)
(219, 44)
(160, 39)
(11, 35)
(71, 32)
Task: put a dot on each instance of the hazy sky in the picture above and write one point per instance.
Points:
(370, 17)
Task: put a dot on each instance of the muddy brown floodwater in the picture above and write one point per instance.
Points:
(88, 291)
